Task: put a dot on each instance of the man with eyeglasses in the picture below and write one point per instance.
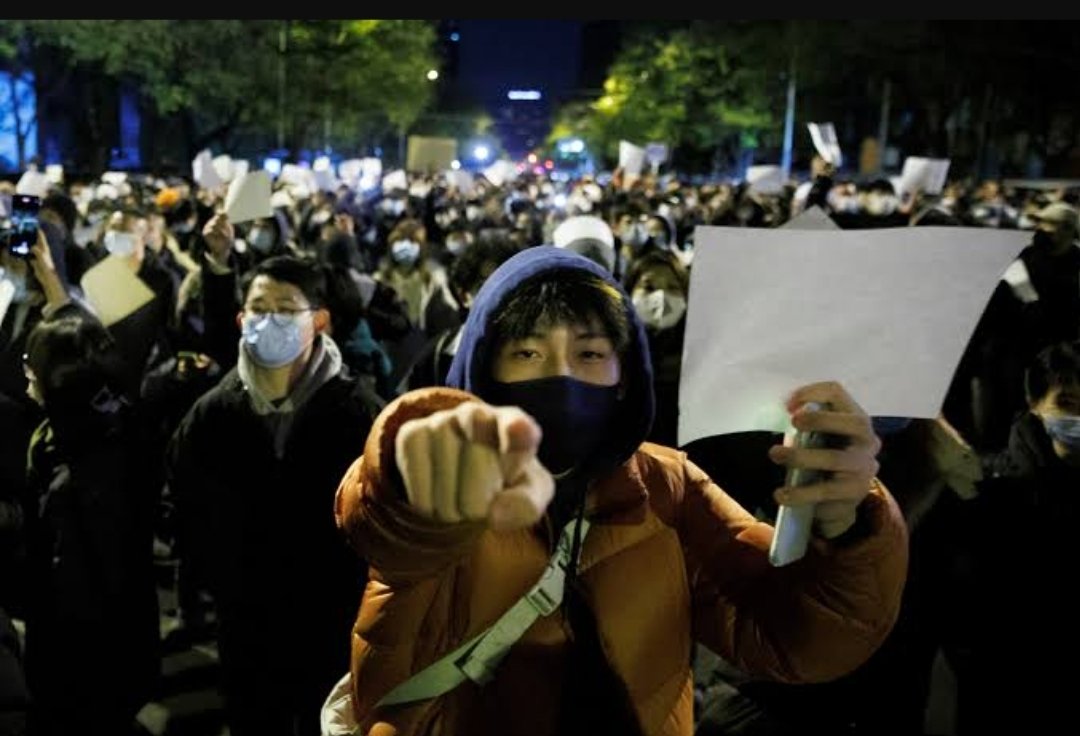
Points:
(254, 467)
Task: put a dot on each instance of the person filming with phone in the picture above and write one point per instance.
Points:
(537, 568)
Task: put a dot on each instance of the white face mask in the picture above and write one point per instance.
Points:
(659, 309)
(119, 243)
(881, 204)
(455, 246)
(405, 252)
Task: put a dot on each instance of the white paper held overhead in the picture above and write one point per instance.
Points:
(114, 291)
(248, 197)
(885, 312)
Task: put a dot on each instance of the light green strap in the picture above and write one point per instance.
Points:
(477, 659)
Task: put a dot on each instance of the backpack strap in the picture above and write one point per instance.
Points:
(478, 658)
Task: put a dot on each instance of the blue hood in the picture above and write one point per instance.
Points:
(471, 368)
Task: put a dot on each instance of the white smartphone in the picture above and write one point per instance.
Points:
(794, 523)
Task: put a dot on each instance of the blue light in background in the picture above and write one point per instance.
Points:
(128, 156)
(25, 101)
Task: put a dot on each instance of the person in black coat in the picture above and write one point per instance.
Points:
(92, 618)
(253, 469)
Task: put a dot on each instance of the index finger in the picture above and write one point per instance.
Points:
(508, 430)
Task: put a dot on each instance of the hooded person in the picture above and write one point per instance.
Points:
(464, 493)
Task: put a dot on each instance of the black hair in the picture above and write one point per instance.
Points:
(181, 212)
(657, 258)
(467, 273)
(304, 275)
(562, 296)
(668, 229)
(64, 206)
(1056, 365)
(344, 300)
(76, 364)
(882, 186)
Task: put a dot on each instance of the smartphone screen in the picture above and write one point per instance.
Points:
(24, 224)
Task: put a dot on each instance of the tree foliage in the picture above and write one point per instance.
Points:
(223, 77)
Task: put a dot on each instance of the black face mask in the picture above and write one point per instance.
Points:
(573, 415)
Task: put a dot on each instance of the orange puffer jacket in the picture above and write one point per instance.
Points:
(670, 559)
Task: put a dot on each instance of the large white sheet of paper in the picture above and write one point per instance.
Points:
(114, 291)
(426, 153)
(885, 312)
(765, 179)
(395, 180)
(656, 153)
(370, 173)
(419, 189)
(461, 180)
(116, 178)
(927, 175)
(240, 167)
(248, 197)
(350, 171)
(501, 172)
(324, 180)
(223, 165)
(371, 167)
(826, 142)
(293, 174)
(814, 218)
(631, 158)
(55, 173)
(203, 171)
(33, 183)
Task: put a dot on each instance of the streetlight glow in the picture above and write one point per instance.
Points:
(432, 75)
(481, 153)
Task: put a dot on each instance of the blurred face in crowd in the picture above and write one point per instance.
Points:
(1060, 412)
(125, 235)
(52, 217)
(457, 241)
(1056, 237)
(33, 388)
(260, 235)
(631, 230)
(989, 191)
(655, 231)
(406, 246)
(658, 297)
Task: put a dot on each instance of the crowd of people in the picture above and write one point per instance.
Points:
(363, 425)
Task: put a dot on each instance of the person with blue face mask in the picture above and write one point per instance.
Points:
(1014, 545)
(524, 498)
(420, 281)
(253, 466)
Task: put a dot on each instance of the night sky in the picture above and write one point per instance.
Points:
(495, 56)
